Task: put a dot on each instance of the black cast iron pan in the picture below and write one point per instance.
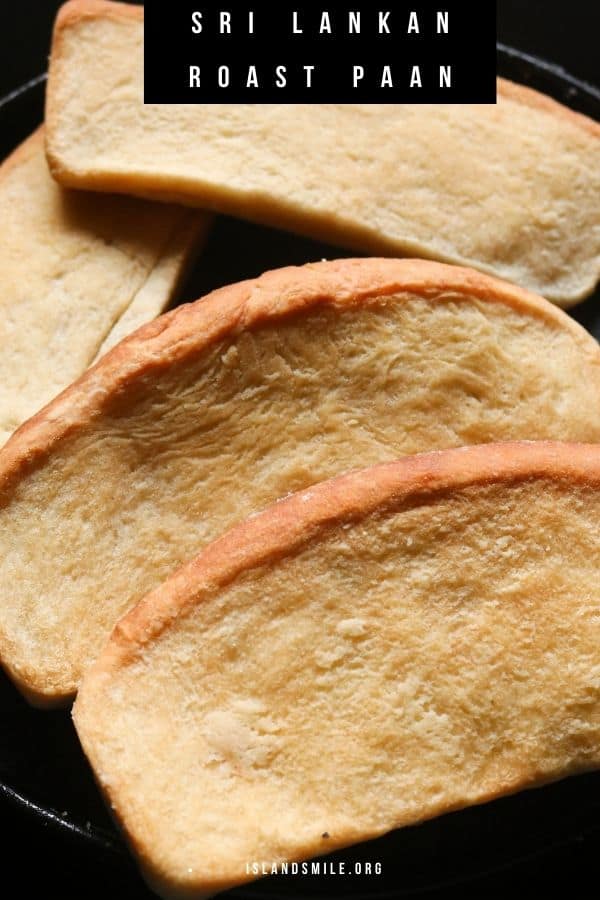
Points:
(46, 789)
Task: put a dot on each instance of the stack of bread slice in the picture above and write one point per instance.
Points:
(318, 551)
(78, 272)
(266, 387)
(387, 646)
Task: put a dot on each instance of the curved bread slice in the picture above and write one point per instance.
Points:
(262, 388)
(382, 648)
(512, 189)
(75, 271)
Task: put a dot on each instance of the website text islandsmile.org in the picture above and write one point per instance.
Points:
(313, 867)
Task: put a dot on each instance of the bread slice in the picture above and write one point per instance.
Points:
(510, 189)
(163, 281)
(377, 650)
(220, 407)
(76, 271)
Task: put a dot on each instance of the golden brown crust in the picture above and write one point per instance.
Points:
(528, 96)
(273, 296)
(291, 523)
(76, 10)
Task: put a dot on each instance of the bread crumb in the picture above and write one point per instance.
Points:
(351, 627)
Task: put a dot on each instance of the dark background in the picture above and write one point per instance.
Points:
(37, 863)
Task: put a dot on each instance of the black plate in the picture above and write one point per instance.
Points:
(43, 775)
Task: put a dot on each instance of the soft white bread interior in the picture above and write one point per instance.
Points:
(76, 271)
(377, 650)
(512, 189)
(220, 407)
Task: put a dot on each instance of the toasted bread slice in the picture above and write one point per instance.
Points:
(377, 650)
(76, 271)
(512, 189)
(220, 407)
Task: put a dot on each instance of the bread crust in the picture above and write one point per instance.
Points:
(76, 10)
(273, 296)
(530, 97)
(294, 521)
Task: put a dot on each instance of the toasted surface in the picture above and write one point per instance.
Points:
(380, 649)
(512, 189)
(76, 269)
(220, 407)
